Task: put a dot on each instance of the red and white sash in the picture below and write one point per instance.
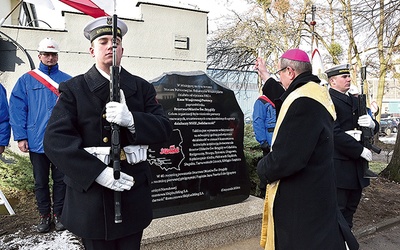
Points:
(45, 80)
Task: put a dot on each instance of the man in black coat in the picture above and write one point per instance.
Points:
(301, 208)
(78, 137)
(349, 153)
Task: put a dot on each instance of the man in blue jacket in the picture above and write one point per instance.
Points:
(5, 131)
(31, 103)
(264, 114)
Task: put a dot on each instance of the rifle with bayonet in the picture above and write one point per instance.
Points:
(367, 136)
(115, 129)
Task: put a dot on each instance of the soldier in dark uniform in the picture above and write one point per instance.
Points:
(348, 151)
(77, 140)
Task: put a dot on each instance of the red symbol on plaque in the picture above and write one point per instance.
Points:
(170, 151)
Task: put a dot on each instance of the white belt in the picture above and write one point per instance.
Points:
(134, 153)
(102, 153)
(356, 134)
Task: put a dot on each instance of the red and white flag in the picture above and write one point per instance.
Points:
(94, 8)
(317, 64)
(44, 3)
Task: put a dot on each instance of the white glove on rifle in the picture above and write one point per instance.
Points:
(106, 179)
(366, 154)
(119, 113)
(366, 121)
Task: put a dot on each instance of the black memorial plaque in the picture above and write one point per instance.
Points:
(202, 165)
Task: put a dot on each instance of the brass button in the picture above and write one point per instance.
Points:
(104, 115)
(105, 139)
(122, 156)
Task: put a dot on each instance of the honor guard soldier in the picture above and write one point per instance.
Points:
(78, 140)
(349, 153)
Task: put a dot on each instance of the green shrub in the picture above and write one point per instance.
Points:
(15, 172)
(253, 154)
(335, 49)
(377, 167)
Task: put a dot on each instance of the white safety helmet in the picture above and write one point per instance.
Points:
(48, 45)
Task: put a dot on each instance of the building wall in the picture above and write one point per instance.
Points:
(5, 9)
(155, 53)
(391, 96)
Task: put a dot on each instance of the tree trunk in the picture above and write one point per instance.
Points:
(392, 171)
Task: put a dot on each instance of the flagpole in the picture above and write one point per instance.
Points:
(312, 23)
(9, 14)
(316, 60)
(259, 81)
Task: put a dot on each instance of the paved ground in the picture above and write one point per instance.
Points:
(383, 236)
(388, 239)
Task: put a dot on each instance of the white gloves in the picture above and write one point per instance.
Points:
(366, 154)
(106, 179)
(366, 121)
(119, 113)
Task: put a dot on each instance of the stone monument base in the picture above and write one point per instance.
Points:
(207, 228)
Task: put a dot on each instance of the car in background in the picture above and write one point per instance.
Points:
(387, 127)
(396, 120)
(395, 124)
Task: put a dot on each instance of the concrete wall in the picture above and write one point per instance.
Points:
(6, 7)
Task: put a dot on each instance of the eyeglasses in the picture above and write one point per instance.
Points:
(279, 71)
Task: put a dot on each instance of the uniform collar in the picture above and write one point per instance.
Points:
(341, 96)
(103, 73)
(96, 81)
